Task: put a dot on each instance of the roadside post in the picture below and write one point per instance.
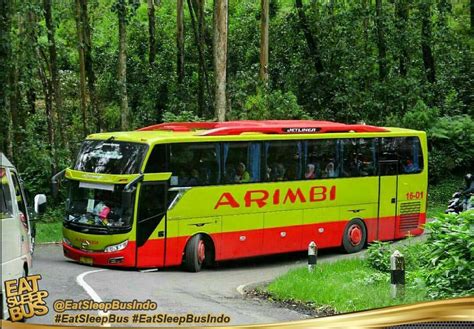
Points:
(397, 273)
(312, 256)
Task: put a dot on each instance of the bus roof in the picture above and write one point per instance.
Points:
(247, 129)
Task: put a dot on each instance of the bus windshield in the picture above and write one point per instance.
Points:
(110, 157)
(96, 205)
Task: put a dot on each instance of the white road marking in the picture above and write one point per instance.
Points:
(91, 292)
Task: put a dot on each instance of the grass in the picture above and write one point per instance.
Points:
(346, 285)
(48, 232)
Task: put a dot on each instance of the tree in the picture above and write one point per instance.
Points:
(196, 8)
(382, 47)
(264, 43)
(5, 52)
(180, 40)
(311, 41)
(122, 63)
(220, 57)
(82, 64)
(86, 29)
(428, 59)
(151, 32)
(401, 12)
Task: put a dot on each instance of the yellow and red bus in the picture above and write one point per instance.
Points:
(197, 193)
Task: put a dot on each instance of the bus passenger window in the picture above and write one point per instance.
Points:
(283, 160)
(241, 162)
(321, 159)
(195, 164)
(411, 156)
(359, 157)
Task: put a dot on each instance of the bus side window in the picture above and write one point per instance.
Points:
(195, 164)
(241, 162)
(388, 156)
(157, 161)
(6, 205)
(283, 160)
(321, 159)
(359, 156)
(411, 156)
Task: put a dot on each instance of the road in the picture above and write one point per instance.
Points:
(175, 291)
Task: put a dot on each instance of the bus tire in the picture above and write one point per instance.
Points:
(195, 253)
(355, 235)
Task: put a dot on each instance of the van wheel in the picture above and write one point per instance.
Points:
(195, 254)
(354, 236)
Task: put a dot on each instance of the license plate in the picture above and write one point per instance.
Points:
(86, 260)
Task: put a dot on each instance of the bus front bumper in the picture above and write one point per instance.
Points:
(122, 258)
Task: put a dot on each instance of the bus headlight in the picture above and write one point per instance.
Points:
(116, 247)
(67, 242)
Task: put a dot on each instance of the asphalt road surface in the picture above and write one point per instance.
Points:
(212, 290)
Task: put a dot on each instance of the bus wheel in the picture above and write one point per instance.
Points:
(195, 254)
(355, 236)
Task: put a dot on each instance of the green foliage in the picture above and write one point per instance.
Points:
(448, 256)
(276, 105)
(379, 252)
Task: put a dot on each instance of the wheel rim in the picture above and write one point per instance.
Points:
(355, 234)
(201, 251)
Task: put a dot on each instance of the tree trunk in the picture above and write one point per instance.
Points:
(5, 25)
(401, 13)
(82, 65)
(53, 63)
(89, 66)
(180, 40)
(311, 40)
(220, 56)
(122, 64)
(151, 32)
(428, 59)
(264, 28)
(382, 48)
(196, 8)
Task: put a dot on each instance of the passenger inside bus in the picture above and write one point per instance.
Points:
(310, 171)
(241, 174)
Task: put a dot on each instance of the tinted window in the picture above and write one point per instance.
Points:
(411, 156)
(283, 160)
(6, 205)
(157, 160)
(359, 157)
(195, 164)
(400, 155)
(241, 162)
(152, 202)
(110, 157)
(321, 159)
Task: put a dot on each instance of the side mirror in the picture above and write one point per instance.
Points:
(40, 203)
(55, 181)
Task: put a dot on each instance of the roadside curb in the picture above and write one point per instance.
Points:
(47, 243)
(244, 288)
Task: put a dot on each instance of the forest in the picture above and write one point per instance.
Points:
(72, 68)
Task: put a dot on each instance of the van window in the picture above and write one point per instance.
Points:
(195, 164)
(6, 205)
(20, 200)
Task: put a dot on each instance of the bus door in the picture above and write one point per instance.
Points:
(387, 199)
(151, 224)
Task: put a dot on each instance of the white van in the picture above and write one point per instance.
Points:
(17, 240)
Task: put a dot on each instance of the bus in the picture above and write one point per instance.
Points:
(196, 193)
